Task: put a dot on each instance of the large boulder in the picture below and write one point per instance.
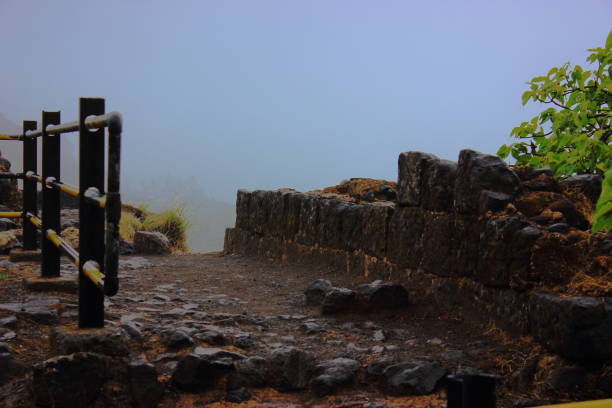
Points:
(151, 242)
(425, 180)
(478, 175)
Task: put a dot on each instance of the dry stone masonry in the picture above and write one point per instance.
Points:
(511, 243)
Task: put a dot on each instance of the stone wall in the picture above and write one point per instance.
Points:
(475, 234)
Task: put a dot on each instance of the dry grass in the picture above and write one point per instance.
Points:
(582, 203)
(128, 226)
(586, 285)
(71, 234)
(358, 186)
(173, 224)
(499, 334)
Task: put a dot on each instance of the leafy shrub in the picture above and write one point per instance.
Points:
(573, 135)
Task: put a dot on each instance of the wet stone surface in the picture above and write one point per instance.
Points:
(223, 328)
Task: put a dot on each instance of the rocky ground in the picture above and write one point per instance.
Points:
(220, 330)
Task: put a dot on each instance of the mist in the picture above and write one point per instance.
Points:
(221, 95)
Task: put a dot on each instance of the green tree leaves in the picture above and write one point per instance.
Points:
(603, 211)
(572, 136)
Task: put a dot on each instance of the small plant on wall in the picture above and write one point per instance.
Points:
(573, 135)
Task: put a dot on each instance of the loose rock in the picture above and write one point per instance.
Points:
(6, 224)
(382, 295)
(311, 328)
(415, 378)
(178, 339)
(74, 380)
(315, 293)
(337, 300)
(196, 373)
(145, 388)
(334, 373)
(212, 337)
(132, 331)
(245, 340)
(254, 370)
(290, 368)
(238, 395)
(154, 243)
(9, 368)
(105, 341)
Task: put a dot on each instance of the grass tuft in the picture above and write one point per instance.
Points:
(128, 226)
(172, 223)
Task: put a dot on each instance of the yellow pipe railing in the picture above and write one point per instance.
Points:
(92, 271)
(10, 137)
(607, 403)
(12, 214)
(68, 189)
(35, 220)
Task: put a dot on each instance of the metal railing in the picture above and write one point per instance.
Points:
(478, 391)
(99, 210)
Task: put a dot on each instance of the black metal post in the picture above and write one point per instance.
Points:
(113, 206)
(51, 199)
(29, 186)
(91, 218)
(471, 391)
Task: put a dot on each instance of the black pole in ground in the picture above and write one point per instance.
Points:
(29, 186)
(51, 197)
(91, 217)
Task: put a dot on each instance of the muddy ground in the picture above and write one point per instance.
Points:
(236, 295)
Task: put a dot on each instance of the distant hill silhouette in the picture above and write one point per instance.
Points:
(12, 150)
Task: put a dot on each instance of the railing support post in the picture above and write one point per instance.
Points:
(91, 218)
(51, 199)
(29, 186)
(113, 209)
(471, 391)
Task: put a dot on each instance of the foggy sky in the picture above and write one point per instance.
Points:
(287, 93)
